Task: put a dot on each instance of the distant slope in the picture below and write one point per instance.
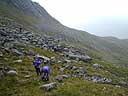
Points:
(36, 18)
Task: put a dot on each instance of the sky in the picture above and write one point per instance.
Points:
(100, 17)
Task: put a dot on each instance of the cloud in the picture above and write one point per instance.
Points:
(80, 14)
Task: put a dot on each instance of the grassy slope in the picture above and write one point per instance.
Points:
(21, 86)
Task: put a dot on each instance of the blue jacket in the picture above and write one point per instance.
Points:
(37, 63)
(45, 69)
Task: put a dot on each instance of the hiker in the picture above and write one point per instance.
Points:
(45, 73)
(36, 64)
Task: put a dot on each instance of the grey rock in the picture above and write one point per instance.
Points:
(27, 76)
(16, 52)
(74, 68)
(1, 63)
(60, 78)
(7, 50)
(1, 55)
(117, 86)
(18, 61)
(123, 83)
(99, 79)
(12, 72)
(43, 57)
(67, 61)
(49, 86)
(61, 69)
(6, 59)
(84, 58)
(96, 66)
(3, 33)
(80, 72)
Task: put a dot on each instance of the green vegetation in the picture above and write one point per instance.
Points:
(21, 86)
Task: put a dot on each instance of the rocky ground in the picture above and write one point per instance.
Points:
(73, 72)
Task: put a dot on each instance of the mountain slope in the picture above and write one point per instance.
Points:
(73, 77)
(35, 18)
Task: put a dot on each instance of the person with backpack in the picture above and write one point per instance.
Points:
(36, 64)
(45, 73)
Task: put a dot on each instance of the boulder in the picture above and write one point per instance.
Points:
(1, 55)
(123, 83)
(99, 79)
(61, 69)
(7, 50)
(80, 72)
(3, 33)
(68, 66)
(1, 63)
(84, 58)
(96, 66)
(12, 72)
(27, 76)
(60, 78)
(74, 68)
(16, 52)
(44, 58)
(49, 86)
(117, 86)
(6, 59)
(18, 61)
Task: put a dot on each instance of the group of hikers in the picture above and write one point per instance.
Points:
(42, 72)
